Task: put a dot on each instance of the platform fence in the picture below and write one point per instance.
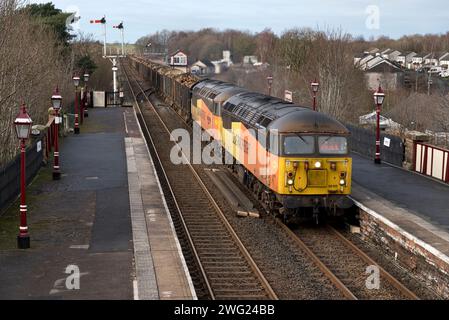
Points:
(37, 152)
(432, 161)
(363, 141)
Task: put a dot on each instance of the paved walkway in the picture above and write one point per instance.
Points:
(425, 197)
(161, 271)
(415, 203)
(81, 220)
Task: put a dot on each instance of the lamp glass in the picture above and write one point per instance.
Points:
(76, 81)
(56, 101)
(86, 77)
(23, 130)
(379, 98)
(315, 86)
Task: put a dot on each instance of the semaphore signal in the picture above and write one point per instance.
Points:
(102, 21)
(119, 26)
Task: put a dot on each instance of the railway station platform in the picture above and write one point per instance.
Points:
(105, 218)
(417, 204)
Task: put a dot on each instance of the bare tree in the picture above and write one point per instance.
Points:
(33, 62)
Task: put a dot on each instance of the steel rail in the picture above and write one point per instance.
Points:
(327, 272)
(392, 280)
(267, 287)
(178, 209)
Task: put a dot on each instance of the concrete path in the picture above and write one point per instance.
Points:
(81, 222)
(420, 195)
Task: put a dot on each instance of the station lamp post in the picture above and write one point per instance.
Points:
(114, 72)
(379, 97)
(56, 101)
(314, 85)
(86, 80)
(22, 125)
(76, 83)
(270, 82)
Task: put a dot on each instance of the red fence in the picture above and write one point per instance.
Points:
(432, 161)
(37, 151)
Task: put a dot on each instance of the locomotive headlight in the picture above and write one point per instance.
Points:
(317, 164)
(342, 182)
(290, 182)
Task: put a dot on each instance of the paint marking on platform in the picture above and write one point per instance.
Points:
(79, 246)
(135, 290)
(124, 120)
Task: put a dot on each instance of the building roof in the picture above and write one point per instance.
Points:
(204, 62)
(364, 60)
(176, 52)
(395, 52)
(379, 64)
(444, 56)
(407, 53)
(374, 62)
(208, 63)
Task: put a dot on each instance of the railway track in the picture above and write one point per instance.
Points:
(337, 258)
(346, 265)
(224, 267)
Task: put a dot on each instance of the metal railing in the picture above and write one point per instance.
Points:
(37, 152)
(432, 161)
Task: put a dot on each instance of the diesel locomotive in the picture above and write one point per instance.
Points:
(295, 160)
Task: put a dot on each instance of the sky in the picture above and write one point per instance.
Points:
(393, 18)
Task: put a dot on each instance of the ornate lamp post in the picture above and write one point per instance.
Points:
(270, 82)
(314, 85)
(86, 80)
(56, 101)
(22, 125)
(379, 97)
(76, 83)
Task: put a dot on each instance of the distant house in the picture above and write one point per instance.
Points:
(381, 71)
(361, 62)
(431, 60)
(202, 67)
(443, 60)
(405, 59)
(373, 51)
(393, 54)
(220, 66)
(373, 62)
(370, 119)
(250, 59)
(384, 54)
(419, 60)
(359, 57)
(389, 54)
(178, 60)
(227, 57)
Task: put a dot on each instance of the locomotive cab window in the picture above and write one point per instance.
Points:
(217, 109)
(332, 145)
(297, 144)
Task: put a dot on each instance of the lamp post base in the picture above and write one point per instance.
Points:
(377, 161)
(77, 130)
(56, 175)
(23, 242)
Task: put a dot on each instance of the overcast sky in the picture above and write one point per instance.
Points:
(393, 18)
